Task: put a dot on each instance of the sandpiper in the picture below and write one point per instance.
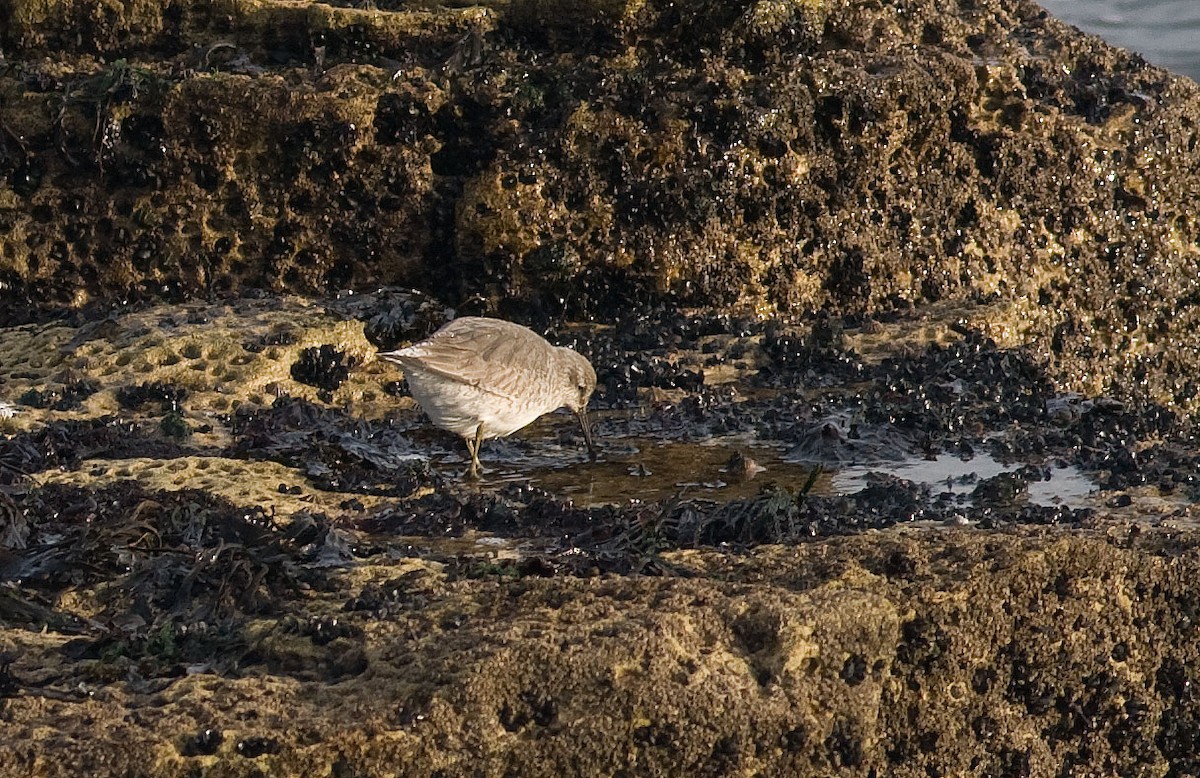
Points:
(486, 378)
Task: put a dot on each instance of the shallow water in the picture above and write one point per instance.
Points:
(647, 470)
(1060, 486)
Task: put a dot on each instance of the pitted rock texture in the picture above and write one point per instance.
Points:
(292, 580)
(548, 159)
(224, 547)
(898, 654)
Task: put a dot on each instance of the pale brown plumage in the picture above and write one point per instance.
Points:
(484, 378)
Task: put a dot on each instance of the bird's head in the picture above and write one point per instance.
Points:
(580, 381)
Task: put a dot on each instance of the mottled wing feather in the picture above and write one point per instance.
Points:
(496, 356)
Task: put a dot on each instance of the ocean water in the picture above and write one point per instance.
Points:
(1165, 32)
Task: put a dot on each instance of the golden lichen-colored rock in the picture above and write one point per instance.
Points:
(778, 156)
(38, 22)
(919, 177)
(570, 18)
(219, 358)
(390, 629)
(225, 356)
(818, 655)
(242, 482)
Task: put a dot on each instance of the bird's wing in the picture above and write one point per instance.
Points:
(496, 356)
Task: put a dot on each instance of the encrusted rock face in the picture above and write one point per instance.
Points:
(566, 158)
(849, 233)
(872, 656)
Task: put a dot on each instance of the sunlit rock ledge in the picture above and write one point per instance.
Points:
(225, 546)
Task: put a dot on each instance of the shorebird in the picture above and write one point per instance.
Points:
(486, 378)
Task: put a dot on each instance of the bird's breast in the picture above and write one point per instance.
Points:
(461, 407)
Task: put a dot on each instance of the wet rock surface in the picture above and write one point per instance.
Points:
(303, 584)
(890, 309)
(514, 157)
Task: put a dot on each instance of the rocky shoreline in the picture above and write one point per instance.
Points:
(833, 235)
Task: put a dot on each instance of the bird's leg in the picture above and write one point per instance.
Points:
(473, 447)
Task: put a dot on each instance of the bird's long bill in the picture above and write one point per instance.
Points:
(587, 432)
